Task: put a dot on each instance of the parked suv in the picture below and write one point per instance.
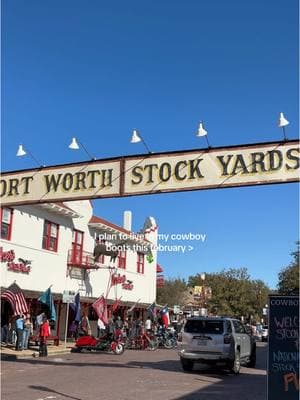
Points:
(216, 340)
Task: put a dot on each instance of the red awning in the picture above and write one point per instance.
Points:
(159, 269)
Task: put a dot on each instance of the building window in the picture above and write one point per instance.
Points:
(122, 259)
(6, 223)
(50, 236)
(140, 262)
(77, 246)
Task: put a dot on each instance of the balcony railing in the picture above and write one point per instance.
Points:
(84, 260)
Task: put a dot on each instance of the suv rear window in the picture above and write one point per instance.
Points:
(204, 326)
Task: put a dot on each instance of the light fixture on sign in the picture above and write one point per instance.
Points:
(137, 137)
(282, 123)
(202, 132)
(75, 146)
(22, 152)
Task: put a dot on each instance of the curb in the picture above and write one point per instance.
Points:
(34, 355)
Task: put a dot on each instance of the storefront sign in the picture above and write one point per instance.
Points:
(283, 349)
(9, 257)
(256, 164)
(118, 279)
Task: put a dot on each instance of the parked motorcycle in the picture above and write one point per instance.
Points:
(166, 339)
(105, 343)
(144, 341)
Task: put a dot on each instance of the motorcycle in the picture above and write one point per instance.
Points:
(105, 343)
(166, 339)
(144, 341)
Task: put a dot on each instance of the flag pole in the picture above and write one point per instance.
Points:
(66, 328)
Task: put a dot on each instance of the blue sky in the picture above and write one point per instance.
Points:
(97, 69)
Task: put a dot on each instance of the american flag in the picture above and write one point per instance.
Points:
(14, 295)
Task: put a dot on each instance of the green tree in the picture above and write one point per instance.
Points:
(172, 292)
(234, 293)
(288, 277)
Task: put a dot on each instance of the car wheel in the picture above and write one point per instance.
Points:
(235, 365)
(252, 361)
(187, 365)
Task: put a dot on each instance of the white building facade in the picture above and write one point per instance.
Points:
(52, 245)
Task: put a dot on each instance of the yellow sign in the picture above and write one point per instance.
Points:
(244, 165)
(61, 183)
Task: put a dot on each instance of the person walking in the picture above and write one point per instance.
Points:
(100, 328)
(148, 325)
(28, 330)
(44, 333)
(19, 332)
(85, 327)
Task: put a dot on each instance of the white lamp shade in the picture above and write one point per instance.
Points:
(21, 152)
(135, 138)
(74, 144)
(282, 121)
(201, 130)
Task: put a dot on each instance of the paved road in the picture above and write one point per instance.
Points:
(136, 375)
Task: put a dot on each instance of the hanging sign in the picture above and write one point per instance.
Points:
(244, 165)
(50, 184)
(213, 168)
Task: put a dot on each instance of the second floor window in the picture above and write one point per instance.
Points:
(50, 236)
(6, 223)
(77, 245)
(122, 259)
(140, 263)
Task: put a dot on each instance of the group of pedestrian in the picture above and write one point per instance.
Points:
(19, 329)
(128, 327)
(23, 330)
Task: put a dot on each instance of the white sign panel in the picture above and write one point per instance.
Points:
(255, 164)
(213, 168)
(73, 182)
(68, 296)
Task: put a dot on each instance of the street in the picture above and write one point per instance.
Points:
(147, 375)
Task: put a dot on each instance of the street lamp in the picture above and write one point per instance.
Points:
(202, 132)
(76, 145)
(22, 152)
(137, 137)
(282, 123)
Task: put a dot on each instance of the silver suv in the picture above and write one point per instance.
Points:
(216, 340)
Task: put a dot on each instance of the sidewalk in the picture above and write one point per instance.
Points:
(9, 352)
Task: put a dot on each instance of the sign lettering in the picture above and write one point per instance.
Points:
(264, 163)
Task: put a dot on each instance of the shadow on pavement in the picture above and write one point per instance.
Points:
(244, 386)
(46, 389)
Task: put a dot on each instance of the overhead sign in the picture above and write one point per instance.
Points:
(245, 165)
(59, 183)
(216, 168)
(283, 349)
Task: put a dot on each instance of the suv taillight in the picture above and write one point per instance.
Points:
(227, 339)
